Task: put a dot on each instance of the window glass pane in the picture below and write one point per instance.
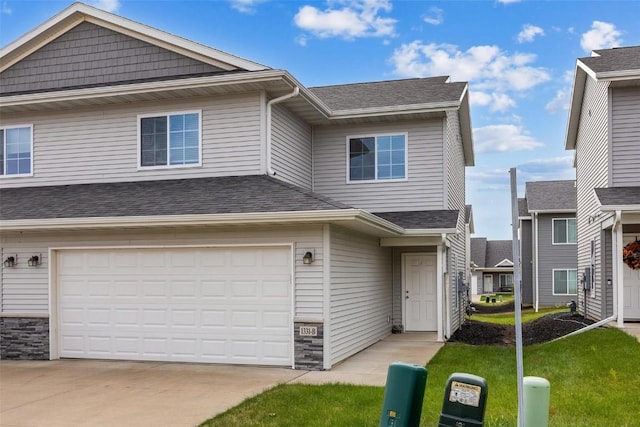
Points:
(153, 141)
(397, 172)
(571, 231)
(17, 150)
(384, 143)
(392, 155)
(560, 282)
(192, 122)
(559, 231)
(572, 281)
(361, 159)
(384, 158)
(397, 142)
(384, 172)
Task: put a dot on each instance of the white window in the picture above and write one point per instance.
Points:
(169, 140)
(16, 152)
(564, 231)
(506, 280)
(377, 158)
(565, 282)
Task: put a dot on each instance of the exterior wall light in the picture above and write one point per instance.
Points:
(307, 258)
(35, 260)
(11, 261)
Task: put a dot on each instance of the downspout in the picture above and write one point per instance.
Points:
(617, 223)
(536, 291)
(296, 91)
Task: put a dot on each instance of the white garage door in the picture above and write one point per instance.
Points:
(216, 305)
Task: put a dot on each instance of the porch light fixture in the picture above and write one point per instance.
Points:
(307, 258)
(11, 261)
(35, 260)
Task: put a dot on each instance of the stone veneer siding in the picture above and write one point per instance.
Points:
(309, 351)
(24, 338)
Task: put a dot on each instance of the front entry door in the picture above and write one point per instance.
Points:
(420, 301)
(631, 288)
(488, 284)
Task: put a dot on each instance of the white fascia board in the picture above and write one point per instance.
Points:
(525, 217)
(577, 95)
(552, 211)
(624, 208)
(427, 232)
(148, 87)
(393, 110)
(466, 128)
(127, 26)
(496, 269)
(617, 76)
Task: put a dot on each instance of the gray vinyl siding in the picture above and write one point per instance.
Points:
(424, 188)
(397, 278)
(25, 290)
(361, 293)
(625, 134)
(96, 145)
(607, 267)
(455, 185)
(90, 55)
(526, 264)
(592, 163)
(291, 148)
(550, 257)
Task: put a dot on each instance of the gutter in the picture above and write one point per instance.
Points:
(294, 93)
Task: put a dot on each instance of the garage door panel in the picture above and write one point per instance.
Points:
(199, 305)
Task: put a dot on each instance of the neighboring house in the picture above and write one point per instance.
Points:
(491, 265)
(604, 129)
(163, 200)
(469, 230)
(547, 221)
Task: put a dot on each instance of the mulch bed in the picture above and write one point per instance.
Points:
(541, 330)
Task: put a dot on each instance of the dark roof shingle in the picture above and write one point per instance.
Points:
(425, 220)
(478, 252)
(618, 196)
(616, 59)
(551, 195)
(498, 251)
(390, 93)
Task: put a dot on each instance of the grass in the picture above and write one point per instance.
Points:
(528, 314)
(506, 299)
(595, 381)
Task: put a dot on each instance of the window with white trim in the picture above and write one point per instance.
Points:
(506, 280)
(565, 282)
(169, 140)
(377, 157)
(16, 152)
(564, 231)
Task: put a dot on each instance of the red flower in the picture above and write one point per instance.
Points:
(631, 255)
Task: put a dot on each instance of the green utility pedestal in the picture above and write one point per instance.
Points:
(403, 395)
(536, 393)
(465, 398)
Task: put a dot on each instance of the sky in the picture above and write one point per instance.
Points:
(518, 57)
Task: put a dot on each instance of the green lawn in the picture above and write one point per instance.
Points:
(595, 381)
(528, 314)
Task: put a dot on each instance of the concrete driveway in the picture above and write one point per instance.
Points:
(119, 393)
(113, 393)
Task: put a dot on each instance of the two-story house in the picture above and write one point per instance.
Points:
(491, 266)
(604, 131)
(547, 223)
(164, 200)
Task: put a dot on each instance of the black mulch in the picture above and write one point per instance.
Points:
(541, 330)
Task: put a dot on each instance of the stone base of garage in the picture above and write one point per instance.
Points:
(24, 338)
(27, 338)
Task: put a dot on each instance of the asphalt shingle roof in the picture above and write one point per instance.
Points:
(390, 93)
(478, 252)
(551, 195)
(498, 251)
(240, 194)
(422, 219)
(618, 196)
(616, 59)
(523, 210)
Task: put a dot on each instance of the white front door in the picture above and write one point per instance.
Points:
(488, 283)
(631, 288)
(420, 300)
(213, 305)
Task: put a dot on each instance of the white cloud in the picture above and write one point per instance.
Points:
(560, 102)
(503, 138)
(509, 1)
(107, 5)
(487, 68)
(602, 35)
(356, 18)
(495, 101)
(555, 168)
(435, 16)
(529, 32)
(5, 9)
(245, 6)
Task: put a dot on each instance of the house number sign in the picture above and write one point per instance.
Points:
(308, 331)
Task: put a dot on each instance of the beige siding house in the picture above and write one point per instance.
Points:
(604, 124)
(163, 200)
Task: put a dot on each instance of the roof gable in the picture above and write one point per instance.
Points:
(80, 12)
(89, 55)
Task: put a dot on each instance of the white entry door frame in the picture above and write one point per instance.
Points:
(419, 292)
(487, 283)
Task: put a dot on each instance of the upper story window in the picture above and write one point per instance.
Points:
(377, 157)
(170, 140)
(564, 231)
(16, 153)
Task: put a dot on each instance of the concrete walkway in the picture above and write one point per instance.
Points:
(369, 367)
(121, 393)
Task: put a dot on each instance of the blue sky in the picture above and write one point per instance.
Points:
(518, 57)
